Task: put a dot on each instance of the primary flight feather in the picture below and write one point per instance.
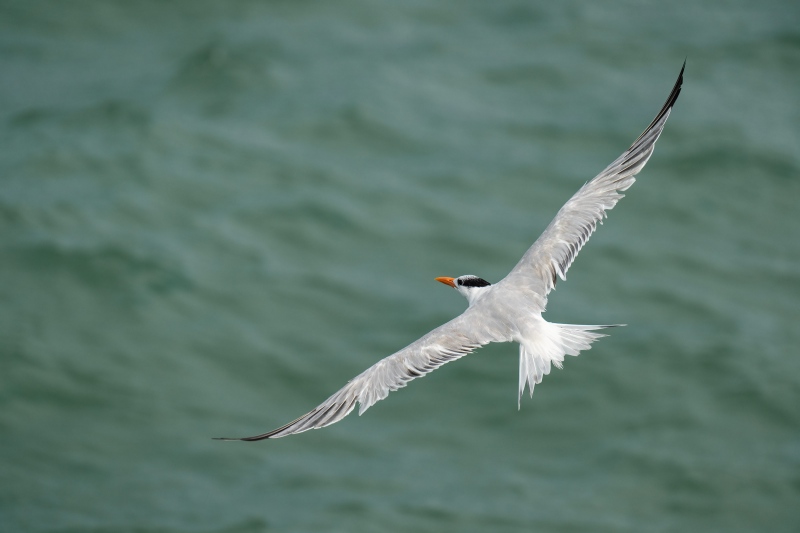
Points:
(507, 311)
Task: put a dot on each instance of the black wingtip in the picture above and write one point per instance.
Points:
(263, 436)
(256, 438)
(245, 439)
(676, 90)
(671, 99)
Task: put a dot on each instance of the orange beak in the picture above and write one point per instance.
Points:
(446, 281)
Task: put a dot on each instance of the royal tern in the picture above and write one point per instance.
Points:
(509, 310)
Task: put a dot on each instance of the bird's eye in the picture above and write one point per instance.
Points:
(459, 281)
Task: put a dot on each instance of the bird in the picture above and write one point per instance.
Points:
(509, 310)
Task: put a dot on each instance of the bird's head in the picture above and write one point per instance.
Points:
(471, 287)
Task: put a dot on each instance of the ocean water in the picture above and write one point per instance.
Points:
(214, 214)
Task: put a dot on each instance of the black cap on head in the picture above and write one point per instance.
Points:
(472, 281)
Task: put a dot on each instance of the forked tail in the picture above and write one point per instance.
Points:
(551, 345)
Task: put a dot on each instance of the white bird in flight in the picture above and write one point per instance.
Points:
(509, 310)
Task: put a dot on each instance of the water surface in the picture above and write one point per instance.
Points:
(215, 214)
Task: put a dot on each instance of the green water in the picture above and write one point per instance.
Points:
(215, 214)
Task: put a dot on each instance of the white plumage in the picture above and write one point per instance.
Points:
(508, 311)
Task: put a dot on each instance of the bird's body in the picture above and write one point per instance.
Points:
(508, 311)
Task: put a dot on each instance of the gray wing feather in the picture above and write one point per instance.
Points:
(555, 250)
(446, 343)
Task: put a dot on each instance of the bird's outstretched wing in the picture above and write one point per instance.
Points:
(555, 249)
(448, 342)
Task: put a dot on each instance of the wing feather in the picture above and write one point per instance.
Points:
(554, 251)
(449, 342)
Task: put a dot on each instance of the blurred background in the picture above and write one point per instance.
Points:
(215, 214)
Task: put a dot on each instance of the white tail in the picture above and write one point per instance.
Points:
(550, 346)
